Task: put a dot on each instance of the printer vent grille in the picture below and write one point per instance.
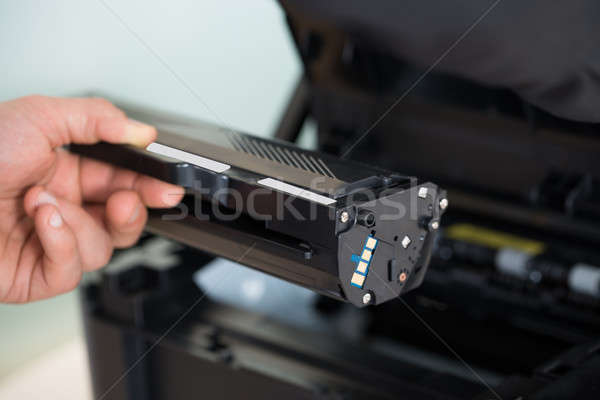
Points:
(280, 154)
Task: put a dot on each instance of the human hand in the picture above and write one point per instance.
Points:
(61, 215)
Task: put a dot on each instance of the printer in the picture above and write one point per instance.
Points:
(442, 242)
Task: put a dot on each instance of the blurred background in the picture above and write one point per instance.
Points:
(222, 61)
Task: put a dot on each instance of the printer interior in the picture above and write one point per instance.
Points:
(510, 305)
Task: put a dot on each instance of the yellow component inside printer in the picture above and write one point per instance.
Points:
(494, 239)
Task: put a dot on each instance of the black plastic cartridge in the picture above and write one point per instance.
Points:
(347, 230)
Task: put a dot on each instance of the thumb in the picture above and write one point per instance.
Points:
(85, 121)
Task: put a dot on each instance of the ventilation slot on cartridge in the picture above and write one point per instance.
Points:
(280, 154)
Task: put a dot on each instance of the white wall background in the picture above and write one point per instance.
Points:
(235, 56)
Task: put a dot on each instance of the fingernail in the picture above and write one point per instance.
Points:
(55, 220)
(45, 198)
(138, 133)
(135, 214)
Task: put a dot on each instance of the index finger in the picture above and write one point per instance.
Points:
(83, 121)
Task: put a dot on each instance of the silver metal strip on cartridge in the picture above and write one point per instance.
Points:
(296, 191)
(181, 155)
